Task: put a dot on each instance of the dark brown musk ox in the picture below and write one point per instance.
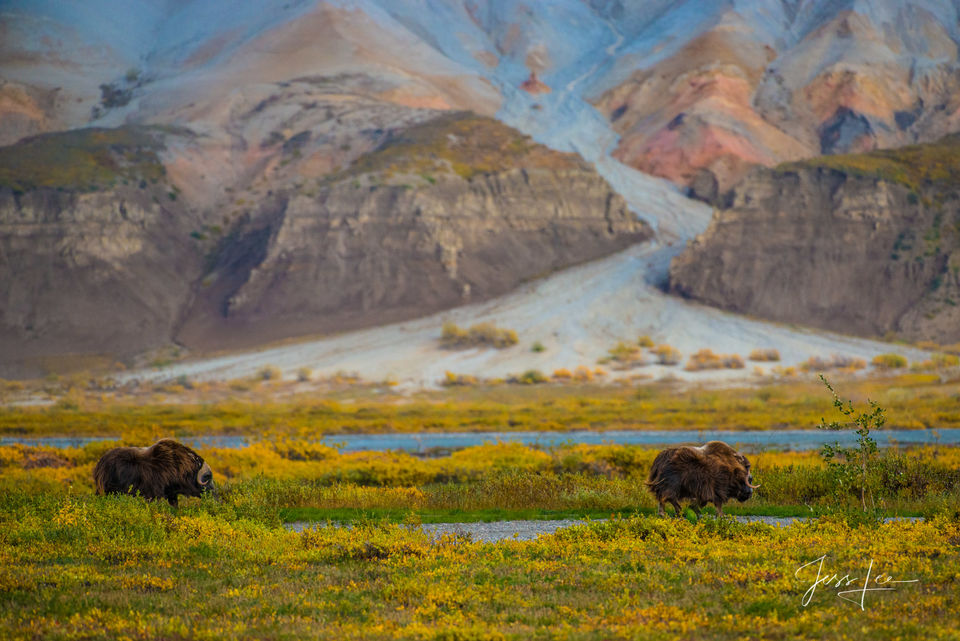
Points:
(166, 469)
(711, 473)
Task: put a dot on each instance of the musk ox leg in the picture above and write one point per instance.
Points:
(173, 500)
(676, 508)
(660, 510)
(719, 505)
(696, 509)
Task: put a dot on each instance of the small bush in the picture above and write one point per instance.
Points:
(538, 347)
(785, 372)
(937, 361)
(820, 364)
(240, 385)
(529, 377)
(952, 349)
(457, 380)
(269, 373)
(582, 374)
(765, 355)
(645, 341)
(889, 361)
(707, 359)
(304, 374)
(11, 386)
(453, 334)
(625, 355)
(562, 374)
(666, 354)
(480, 335)
(733, 361)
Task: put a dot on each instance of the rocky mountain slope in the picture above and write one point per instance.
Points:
(102, 252)
(762, 82)
(450, 211)
(311, 182)
(867, 244)
(95, 252)
(690, 86)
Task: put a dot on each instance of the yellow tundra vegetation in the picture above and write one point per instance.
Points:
(88, 567)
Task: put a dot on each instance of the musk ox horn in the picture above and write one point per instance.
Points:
(204, 474)
(752, 486)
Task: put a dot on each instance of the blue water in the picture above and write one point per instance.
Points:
(748, 440)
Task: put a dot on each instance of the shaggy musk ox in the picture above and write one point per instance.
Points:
(163, 470)
(711, 473)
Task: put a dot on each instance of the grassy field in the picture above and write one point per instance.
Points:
(80, 567)
(77, 566)
(278, 409)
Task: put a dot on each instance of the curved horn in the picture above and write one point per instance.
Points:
(204, 469)
(751, 485)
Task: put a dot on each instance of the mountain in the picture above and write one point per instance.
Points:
(867, 244)
(221, 174)
(740, 83)
(691, 85)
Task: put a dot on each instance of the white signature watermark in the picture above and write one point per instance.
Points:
(881, 583)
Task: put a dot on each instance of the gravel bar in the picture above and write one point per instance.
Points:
(528, 530)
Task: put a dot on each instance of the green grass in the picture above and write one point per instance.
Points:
(78, 566)
(460, 143)
(912, 401)
(82, 159)
(83, 567)
(914, 166)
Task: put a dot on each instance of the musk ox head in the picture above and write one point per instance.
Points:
(166, 469)
(711, 473)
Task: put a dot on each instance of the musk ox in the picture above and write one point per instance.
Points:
(166, 469)
(711, 473)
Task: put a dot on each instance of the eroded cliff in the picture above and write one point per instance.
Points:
(101, 253)
(867, 244)
(96, 256)
(452, 211)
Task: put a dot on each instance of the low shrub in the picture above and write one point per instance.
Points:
(645, 341)
(951, 349)
(835, 361)
(538, 347)
(666, 354)
(889, 361)
(269, 373)
(625, 355)
(765, 355)
(583, 374)
(936, 361)
(562, 374)
(529, 377)
(481, 335)
(304, 374)
(707, 359)
(454, 380)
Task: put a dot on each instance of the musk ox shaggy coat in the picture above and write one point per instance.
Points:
(711, 473)
(166, 469)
